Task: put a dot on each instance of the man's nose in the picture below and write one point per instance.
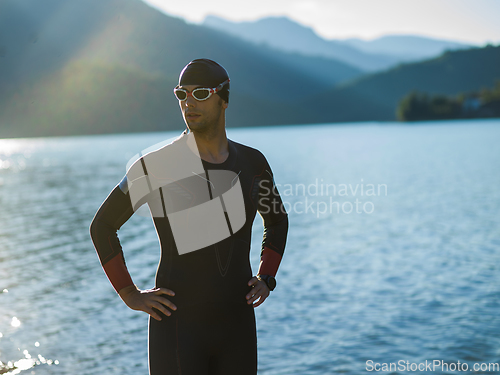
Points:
(190, 101)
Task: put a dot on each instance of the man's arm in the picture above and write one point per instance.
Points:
(275, 218)
(112, 214)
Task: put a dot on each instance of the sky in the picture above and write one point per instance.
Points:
(472, 21)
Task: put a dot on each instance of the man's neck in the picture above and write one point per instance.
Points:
(212, 147)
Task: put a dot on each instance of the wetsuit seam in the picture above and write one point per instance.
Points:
(112, 255)
(163, 203)
(146, 174)
(208, 184)
(223, 270)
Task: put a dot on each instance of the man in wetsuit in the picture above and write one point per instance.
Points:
(203, 191)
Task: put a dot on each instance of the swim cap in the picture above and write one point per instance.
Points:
(206, 73)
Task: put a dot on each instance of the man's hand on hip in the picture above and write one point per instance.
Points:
(146, 300)
(259, 291)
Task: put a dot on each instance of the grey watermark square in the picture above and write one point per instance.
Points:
(171, 179)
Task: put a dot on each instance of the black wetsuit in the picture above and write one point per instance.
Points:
(213, 329)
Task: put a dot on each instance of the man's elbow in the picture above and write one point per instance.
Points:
(283, 221)
(94, 229)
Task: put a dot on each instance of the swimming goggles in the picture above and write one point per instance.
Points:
(199, 94)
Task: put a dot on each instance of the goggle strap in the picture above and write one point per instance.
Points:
(221, 85)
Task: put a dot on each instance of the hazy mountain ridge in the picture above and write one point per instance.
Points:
(378, 54)
(283, 34)
(407, 47)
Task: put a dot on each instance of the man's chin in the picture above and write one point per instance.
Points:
(195, 125)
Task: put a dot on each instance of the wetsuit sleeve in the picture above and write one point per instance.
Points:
(275, 218)
(112, 214)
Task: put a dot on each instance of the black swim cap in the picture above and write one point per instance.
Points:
(207, 73)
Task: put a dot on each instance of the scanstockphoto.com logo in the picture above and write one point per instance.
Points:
(320, 198)
(170, 178)
(433, 366)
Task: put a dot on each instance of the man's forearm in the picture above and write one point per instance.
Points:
(115, 211)
(273, 246)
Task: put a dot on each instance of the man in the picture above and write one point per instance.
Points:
(203, 191)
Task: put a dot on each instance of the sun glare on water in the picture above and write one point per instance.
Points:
(15, 322)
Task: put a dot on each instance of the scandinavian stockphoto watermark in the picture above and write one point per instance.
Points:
(431, 366)
(320, 198)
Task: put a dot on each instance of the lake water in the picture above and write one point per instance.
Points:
(393, 251)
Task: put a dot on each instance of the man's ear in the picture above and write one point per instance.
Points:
(223, 103)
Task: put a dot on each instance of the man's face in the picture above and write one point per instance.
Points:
(202, 115)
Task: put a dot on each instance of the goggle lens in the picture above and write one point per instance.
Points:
(180, 94)
(199, 94)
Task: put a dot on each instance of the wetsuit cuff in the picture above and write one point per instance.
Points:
(269, 262)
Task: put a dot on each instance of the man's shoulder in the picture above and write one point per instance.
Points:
(160, 149)
(249, 153)
(170, 160)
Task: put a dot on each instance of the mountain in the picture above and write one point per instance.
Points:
(375, 97)
(109, 66)
(138, 51)
(284, 34)
(41, 37)
(90, 98)
(406, 47)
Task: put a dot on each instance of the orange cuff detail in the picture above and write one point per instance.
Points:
(117, 273)
(269, 262)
